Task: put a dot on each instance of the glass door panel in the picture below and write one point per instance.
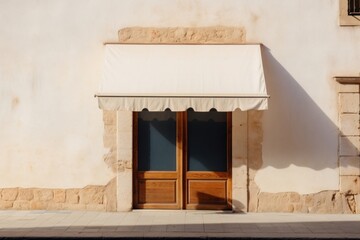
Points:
(208, 172)
(157, 141)
(207, 141)
(157, 182)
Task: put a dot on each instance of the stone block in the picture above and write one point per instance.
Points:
(348, 88)
(21, 205)
(125, 121)
(109, 117)
(95, 207)
(125, 154)
(38, 205)
(349, 124)
(350, 184)
(298, 208)
(255, 139)
(350, 198)
(253, 197)
(92, 195)
(42, 194)
(294, 197)
(357, 200)
(239, 199)
(9, 194)
(239, 134)
(349, 166)
(55, 206)
(110, 130)
(346, 208)
(349, 146)
(239, 173)
(110, 159)
(6, 204)
(110, 195)
(124, 191)
(217, 34)
(59, 196)
(239, 142)
(25, 194)
(125, 140)
(349, 102)
(337, 204)
(109, 140)
(309, 200)
(71, 206)
(274, 202)
(72, 196)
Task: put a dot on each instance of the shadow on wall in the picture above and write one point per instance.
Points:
(296, 131)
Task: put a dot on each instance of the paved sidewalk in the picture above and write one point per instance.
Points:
(174, 224)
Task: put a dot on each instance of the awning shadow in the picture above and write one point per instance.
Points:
(296, 130)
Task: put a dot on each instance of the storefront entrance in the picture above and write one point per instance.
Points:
(182, 160)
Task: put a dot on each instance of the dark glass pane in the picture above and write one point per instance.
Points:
(157, 141)
(207, 141)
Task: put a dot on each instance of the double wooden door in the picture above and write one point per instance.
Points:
(182, 160)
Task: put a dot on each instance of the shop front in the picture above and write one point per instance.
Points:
(185, 103)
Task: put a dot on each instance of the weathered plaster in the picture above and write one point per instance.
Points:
(49, 75)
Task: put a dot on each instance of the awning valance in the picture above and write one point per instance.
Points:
(179, 77)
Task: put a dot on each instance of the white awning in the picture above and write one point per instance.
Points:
(179, 77)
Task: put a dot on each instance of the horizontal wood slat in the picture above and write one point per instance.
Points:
(158, 175)
(207, 175)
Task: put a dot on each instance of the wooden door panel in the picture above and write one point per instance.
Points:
(157, 168)
(157, 191)
(208, 160)
(207, 192)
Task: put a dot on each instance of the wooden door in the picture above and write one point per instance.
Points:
(182, 160)
(157, 160)
(208, 165)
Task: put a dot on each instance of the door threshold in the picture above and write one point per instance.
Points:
(186, 211)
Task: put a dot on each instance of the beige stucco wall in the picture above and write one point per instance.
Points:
(50, 67)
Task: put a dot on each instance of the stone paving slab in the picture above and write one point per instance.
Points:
(176, 224)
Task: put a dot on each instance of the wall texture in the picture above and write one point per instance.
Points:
(51, 63)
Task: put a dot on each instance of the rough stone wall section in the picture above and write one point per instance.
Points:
(349, 143)
(347, 200)
(322, 202)
(92, 197)
(255, 139)
(109, 139)
(239, 162)
(183, 35)
(125, 161)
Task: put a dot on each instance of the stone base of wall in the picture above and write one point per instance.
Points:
(92, 197)
(322, 202)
